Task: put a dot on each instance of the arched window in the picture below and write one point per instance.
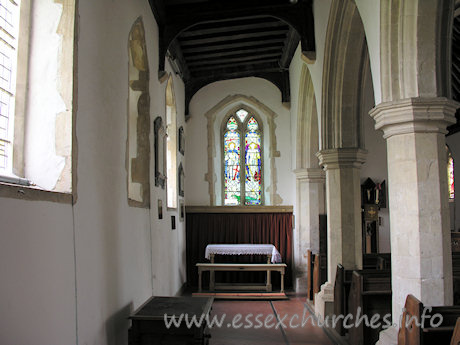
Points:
(450, 174)
(37, 114)
(171, 146)
(243, 180)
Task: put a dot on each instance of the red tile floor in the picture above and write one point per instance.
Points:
(258, 322)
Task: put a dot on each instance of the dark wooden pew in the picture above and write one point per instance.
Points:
(342, 286)
(379, 261)
(341, 293)
(456, 276)
(319, 272)
(455, 340)
(373, 261)
(317, 263)
(370, 291)
(415, 333)
(310, 266)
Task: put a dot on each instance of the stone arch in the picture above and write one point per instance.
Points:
(310, 178)
(345, 55)
(138, 141)
(415, 48)
(171, 145)
(307, 124)
(214, 118)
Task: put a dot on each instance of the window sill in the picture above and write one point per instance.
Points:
(9, 190)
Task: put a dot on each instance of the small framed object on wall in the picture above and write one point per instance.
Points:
(160, 209)
(181, 180)
(181, 138)
(181, 210)
(160, 145)
(173, 222)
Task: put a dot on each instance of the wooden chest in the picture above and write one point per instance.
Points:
(149, 322)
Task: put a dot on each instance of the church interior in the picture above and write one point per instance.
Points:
(135, 133)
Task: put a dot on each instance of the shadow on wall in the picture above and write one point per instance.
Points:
(116, 326)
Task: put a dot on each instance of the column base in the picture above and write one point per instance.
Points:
(388, 337)
(301, 284)
(324, 301)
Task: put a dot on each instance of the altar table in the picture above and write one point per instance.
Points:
(270, 250)
(273, 260)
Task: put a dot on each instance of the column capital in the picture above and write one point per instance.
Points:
(414, 115)
(341, 158)
(310, 175)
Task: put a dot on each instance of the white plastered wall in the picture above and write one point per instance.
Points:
(375, 166)
(168, 246)
(369, 11)
(321, 13)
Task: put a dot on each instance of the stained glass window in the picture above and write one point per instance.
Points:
(232, 163)
(253, 164)
(241, 114)
(245, 158)
(450, 175)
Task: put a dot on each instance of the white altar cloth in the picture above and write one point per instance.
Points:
(243, 249)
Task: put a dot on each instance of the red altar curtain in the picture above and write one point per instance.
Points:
(237, 228)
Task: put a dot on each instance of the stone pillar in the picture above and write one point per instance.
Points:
(310, 204)
(344, 231)
(414, 130)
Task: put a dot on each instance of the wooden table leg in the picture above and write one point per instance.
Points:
(268, 287)
(282, 281)
(199, 279)
(211, 275)
(269, 259)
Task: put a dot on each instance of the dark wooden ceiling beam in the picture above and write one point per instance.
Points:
(234, 28)
(219, 63)
(289, 48)
(182, 17)
(231, 45)
(244, 64)
(224, 10)
(227, 53)
(176, 54)
(158, 10)
(246, 35)
(230, 72)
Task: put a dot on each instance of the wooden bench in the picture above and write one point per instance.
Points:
(319, 272)
(372, 261)
(310, 268)
(316, 274)
(456, 276)
(412, 333)
(213, 267)
(371, 292)
(341, 292)
(379, 261)
(317, 263)
(455, 340)
(343, 278)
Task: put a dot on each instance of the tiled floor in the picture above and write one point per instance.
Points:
(258, 322)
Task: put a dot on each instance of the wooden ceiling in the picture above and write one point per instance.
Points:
(211, 40)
